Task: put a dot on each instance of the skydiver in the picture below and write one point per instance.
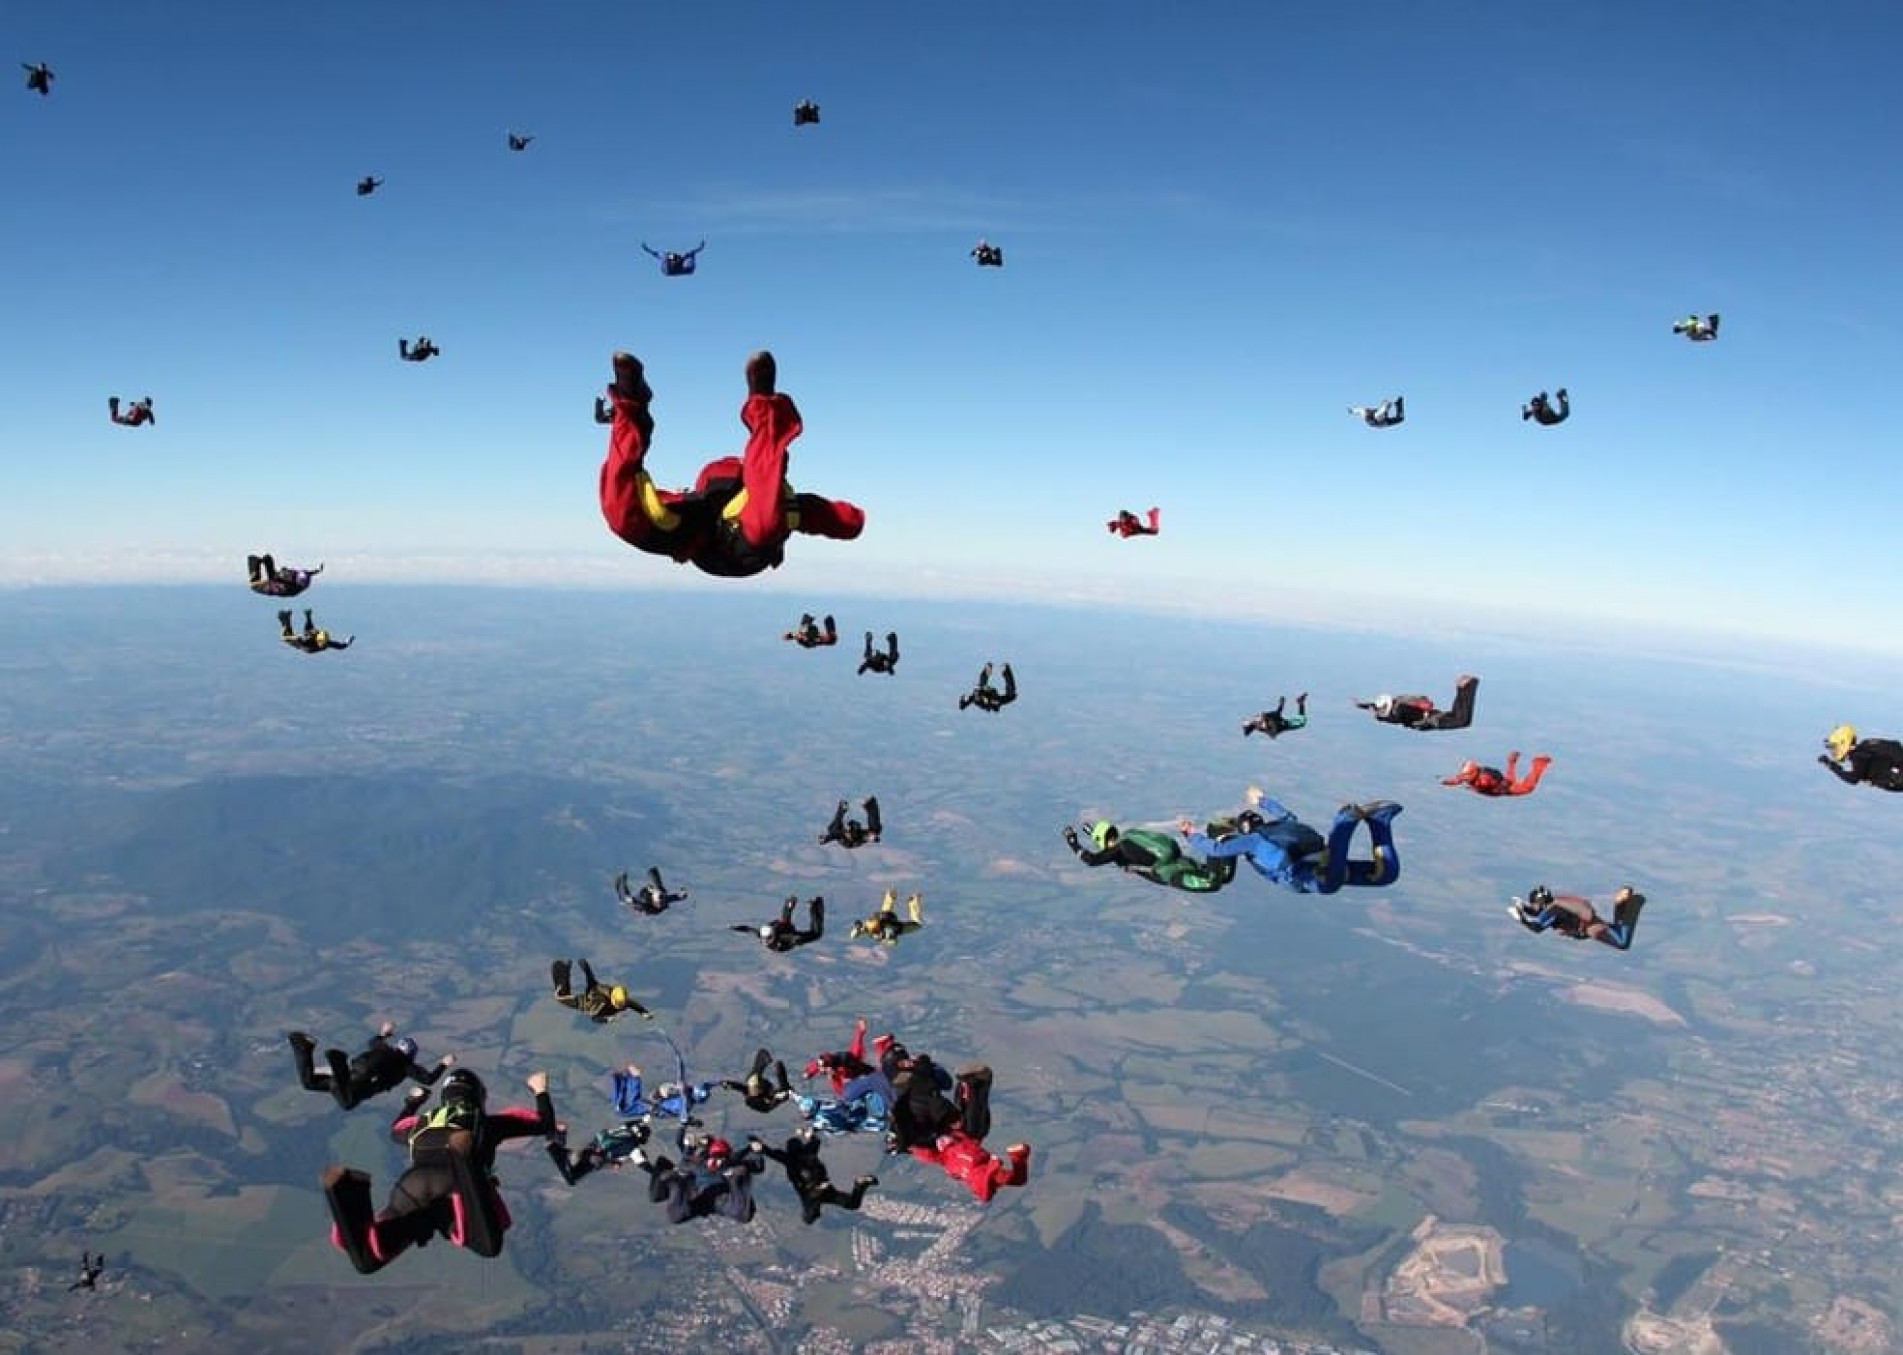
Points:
(950, 1131)
(311, 640)
(842, 1066)
(1288, 852)
(886, 925)
(811, 1181)
(1572, 915)
(636, 1108)
(449, 1188)
(1274, 723)
(420, 351)
(805, 113)
(39, 79)
(1867, 762)
(1419, 712)
(1697, 330)
(651, 898)
(92, 1267)
(1538, 409)
(850, 833)
(519, 143)
(1492, 781)
(383, 1065)
(598, 1002)
(876, 662)
(1384, 415)
(782, 934)
(668, 1100)
(986, 697)
(677, 265)
(736, 519)
(1127, 524)
(1154, 856)
(711, 1179)
(988, 255)
(367, 185)
(761, 1093)
(271, 581)
(811, 635)
(138, 412)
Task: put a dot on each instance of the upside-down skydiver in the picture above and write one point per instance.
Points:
(1492, 781)
(881, 660)
(1572, 915)
(421, 351)
(805, 113)
(449, 1188)
(988, 255)
(367, 185)
(1384, 415)
(39, 77)
(987, 697)
(138, 412)
(1419, 712)
(310, 640)
(782, 933)
(519, 143)
(736, 519)
(886, 925)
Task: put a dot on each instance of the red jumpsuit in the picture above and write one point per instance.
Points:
(1127, 524)
(966, 1159)
(1491, 781)
(736, 519)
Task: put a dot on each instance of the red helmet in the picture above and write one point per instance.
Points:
(718, 1150)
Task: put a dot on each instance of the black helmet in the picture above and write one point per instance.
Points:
(464, 1088)
(1539, 896)
(1248, 821)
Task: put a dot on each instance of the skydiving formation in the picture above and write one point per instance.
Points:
(1150, 855)
(420, 351)
(675, 265)
(736, 519)
(782, 933)
(138, 412)
(1384, 415)
(383, 1066)
(599, 1002)
(1419, 712)
(268, 579)
(367, 185)
(805, 113)
(1542, 412)
(886, 925)
(1492, 781)
(1287, 852)
(310, 640)
(850, 833)
(449, 1188)
(1863, 762)
(881, 660)
(809, 634)
(39, 77)
(1697, 330)
(1127, 524)
(987, 697)
(1275, 723)
(1572, 915)
(652, 898)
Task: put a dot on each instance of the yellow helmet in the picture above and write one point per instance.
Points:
(1101, 832)
(1842, 739)
(618, 997)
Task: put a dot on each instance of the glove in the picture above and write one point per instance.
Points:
(1070, 839)
(1823, 759)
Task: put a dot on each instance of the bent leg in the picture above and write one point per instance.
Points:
(1385, 867)
(1335, 865)
(1462, 714)
(1531, 781)
(772, 424)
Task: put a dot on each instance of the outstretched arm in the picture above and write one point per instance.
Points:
(1847, 775)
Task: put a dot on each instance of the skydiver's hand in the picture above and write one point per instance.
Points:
(449, 1060)
(1070, 838)
(1823, 759)
(1185, 827)
(538, 1082)
(634, 1070)
(388, 1029)
(647, 1016)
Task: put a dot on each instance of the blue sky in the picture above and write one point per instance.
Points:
(1223, 224)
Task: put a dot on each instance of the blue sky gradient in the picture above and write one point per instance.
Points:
(1224, 223)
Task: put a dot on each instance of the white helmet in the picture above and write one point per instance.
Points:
(766, 931)
(1384, 705)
